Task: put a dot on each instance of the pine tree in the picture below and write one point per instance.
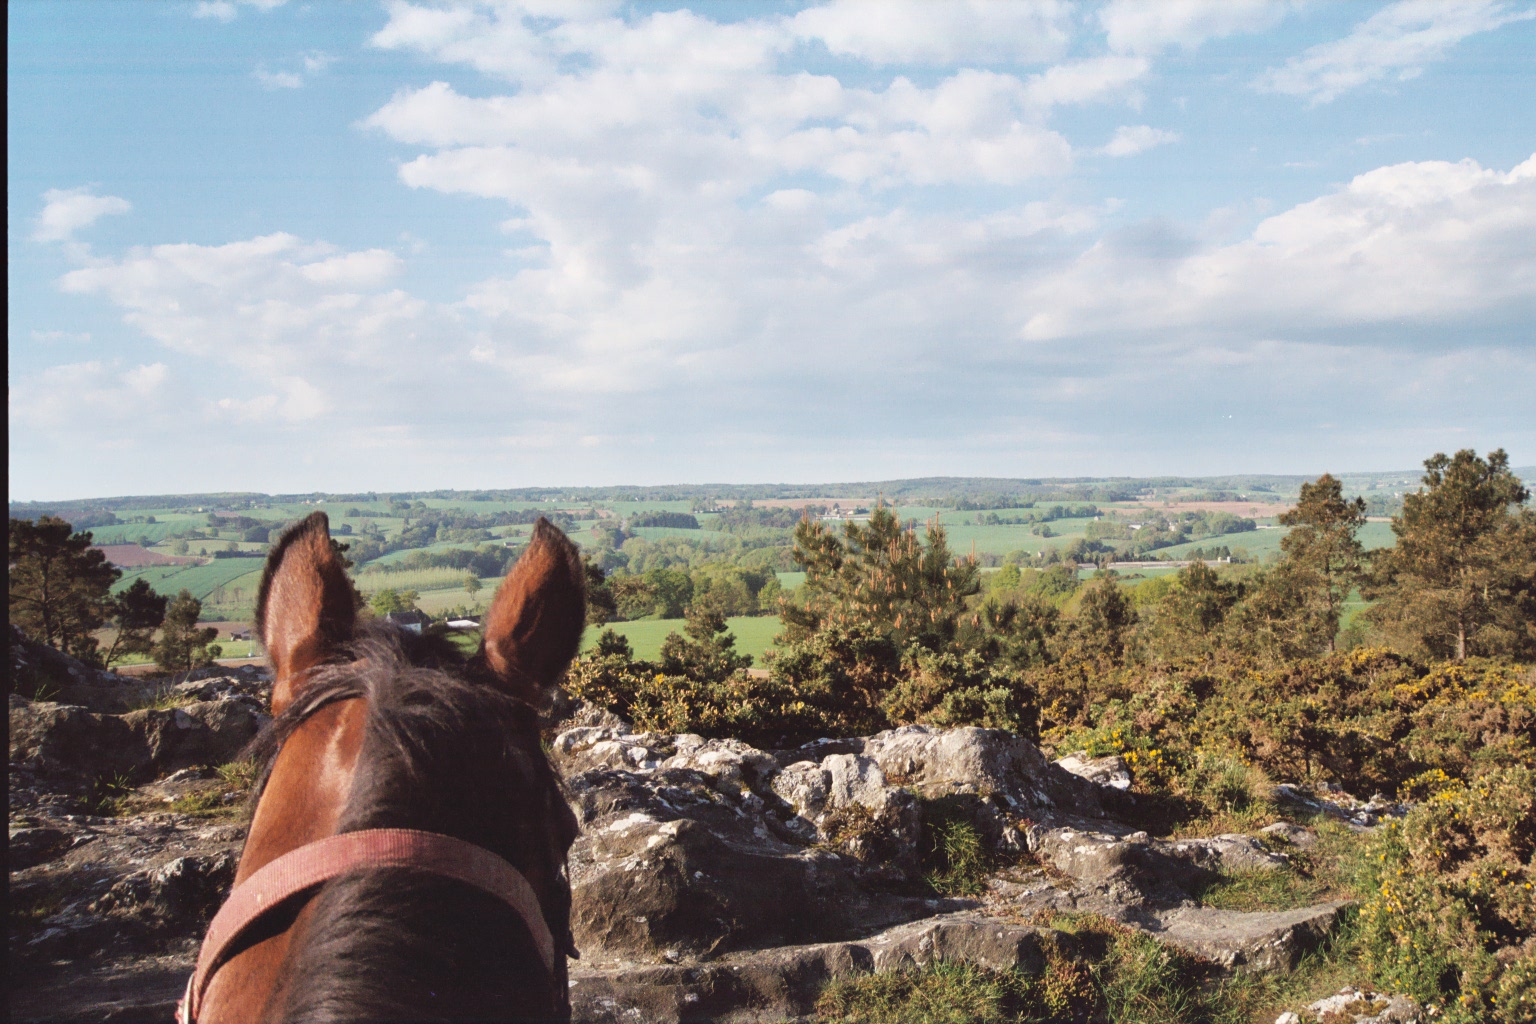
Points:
(182, 645)
(137, 612)
(60, 585)
(1323, 559)
(1462, 578)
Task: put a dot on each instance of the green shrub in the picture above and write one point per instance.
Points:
(955, 858)
(960, 688)
(1452, 911)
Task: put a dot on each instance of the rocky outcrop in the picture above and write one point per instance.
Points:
(1134, 859)
(712, 880)
(688, 852)
(108, 908)
(69, 740)
(772, 985)
(1110, 771)
(1260, 941)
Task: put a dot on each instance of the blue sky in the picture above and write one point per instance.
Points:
(289, 246)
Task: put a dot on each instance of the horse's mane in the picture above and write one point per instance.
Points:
(444, 750)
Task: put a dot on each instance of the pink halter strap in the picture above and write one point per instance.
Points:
(325, 859)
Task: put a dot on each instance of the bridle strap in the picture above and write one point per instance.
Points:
(370, 849)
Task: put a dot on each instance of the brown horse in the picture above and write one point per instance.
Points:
(375, 731)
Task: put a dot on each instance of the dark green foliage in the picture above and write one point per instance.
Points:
(1323, 558)
(59, 585)
(1461, 579)
(745, 517)
(602, 606)
(961, 687)
(182, 645)
(707, 653)
(883, 576)
(388, 599)
(954, 856)
(136, 613)
(674, 520)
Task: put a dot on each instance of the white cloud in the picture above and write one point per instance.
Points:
(228, 10)
(1132, 139)
(66, 211)
(309, 64)
(298, 402)
(1151, 26)
(278, 79)
(93, 392)
(1084, 81)
(1396, 43)
(1409, 245)
(939, 32)
(271, 305)
(143, 380)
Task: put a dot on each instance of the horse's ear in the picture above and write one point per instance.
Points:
(534, 626)
(305, 608)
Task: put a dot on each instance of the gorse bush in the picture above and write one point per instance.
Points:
(1369, 720)
(1450, 917)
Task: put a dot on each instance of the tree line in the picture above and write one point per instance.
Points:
(60, 594)
(892, 627)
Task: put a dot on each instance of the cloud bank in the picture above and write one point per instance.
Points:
(731, 258)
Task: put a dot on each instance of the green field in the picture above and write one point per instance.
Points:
(1000, 540)
(201, 580)
(754, 634)
(658, 532)
(415, 579)
(129, 533)
(959, 518)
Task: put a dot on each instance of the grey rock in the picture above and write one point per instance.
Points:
(1357, 1006)
(207, 732)
(123, 887)
(673, 862)
(986, 762)
(1294, 835)
(66, 739)
(32, 846)
(1257, 942)
(1232, 853)
(1110, 771)
(184, 891)
(69, 740)
(846, 804)
(772, 985)
(567, 712)
(1132, 859)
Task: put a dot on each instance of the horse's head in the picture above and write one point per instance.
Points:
(374, 729)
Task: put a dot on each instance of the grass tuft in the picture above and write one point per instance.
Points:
(1249, 891)
(163, 699)
(955, 858)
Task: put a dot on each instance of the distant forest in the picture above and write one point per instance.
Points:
(957, 492)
